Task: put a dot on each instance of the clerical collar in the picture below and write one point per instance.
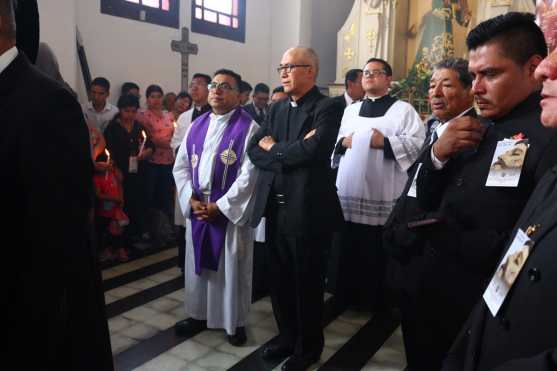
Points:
(376, 106)
(300, 102)
(200, 108)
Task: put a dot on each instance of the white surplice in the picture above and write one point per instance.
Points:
(182, 125)
(368, 183)
(223, 297)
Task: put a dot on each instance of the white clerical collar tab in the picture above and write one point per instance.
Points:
(293, 103)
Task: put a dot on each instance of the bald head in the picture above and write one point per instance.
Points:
(307, 56)
(7, 20)
(298, 71)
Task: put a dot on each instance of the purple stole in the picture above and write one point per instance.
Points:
(208, 238)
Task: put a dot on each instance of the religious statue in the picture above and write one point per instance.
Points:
(546, 14)
(436, 44)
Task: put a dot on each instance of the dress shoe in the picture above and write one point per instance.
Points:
(239, 338)
(189, 326)
(299, 363)
(276, 351)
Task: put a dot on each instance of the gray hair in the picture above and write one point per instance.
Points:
(460, 66)
(7, 19)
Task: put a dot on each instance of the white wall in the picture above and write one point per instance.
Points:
(125, 50)
(57, 20)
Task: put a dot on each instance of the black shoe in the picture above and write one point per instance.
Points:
(300, 363)
(276, 351)
(189, 326)
(239, 338)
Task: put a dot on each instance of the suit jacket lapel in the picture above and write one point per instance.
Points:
(305, 118)
(281, 129)
(11, 75)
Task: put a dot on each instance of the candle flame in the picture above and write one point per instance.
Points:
(106, 152)
(174, 123)
(143, 134)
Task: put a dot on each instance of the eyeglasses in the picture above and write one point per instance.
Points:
(374, 73)
(222, 86)
(289, 67)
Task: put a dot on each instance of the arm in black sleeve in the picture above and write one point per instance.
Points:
(301, 152)
(388, 150)
(544, 361)
(258, 156)
(339, 148)
(430, 183)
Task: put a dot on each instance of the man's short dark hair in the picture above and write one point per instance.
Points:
(102, 82)
(127, 86)
(203, 76)
(517, 34)
(234, 75)
(245, 87)
(183, 94)
(386, 66)
(278, 89)
(128, 100)
(261, 88)
(153, 89)
(7, 28)
(460, 66)
(352, 75)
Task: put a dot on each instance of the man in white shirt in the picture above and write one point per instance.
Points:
(354, 90)
(215, 181)
(379, 139)
(99, 111)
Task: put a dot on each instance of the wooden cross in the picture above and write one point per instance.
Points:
(185, 48)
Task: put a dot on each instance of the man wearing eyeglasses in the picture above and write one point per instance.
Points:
(379, 139)
(296, 194)
(199, 94)
(215, 181)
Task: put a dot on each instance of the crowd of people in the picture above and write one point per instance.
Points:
(448, 221)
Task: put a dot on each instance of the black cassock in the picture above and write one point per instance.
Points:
(523, 335)
(55, 313)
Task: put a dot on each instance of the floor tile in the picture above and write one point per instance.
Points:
(142, 284)
(190, 350)
(120, 343)
(140, 314)
(164, 362)
(118, 323)
(139, 331)
(164, 304)
(161, 321)
(217, 361)
(211, 338)
(123, 291)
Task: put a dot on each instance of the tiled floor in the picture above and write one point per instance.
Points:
(209, 350)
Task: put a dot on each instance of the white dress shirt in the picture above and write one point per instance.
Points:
(7, 58)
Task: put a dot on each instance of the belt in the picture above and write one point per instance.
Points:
(280, 199)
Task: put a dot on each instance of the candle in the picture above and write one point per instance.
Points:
(107, 162)
(142, 143)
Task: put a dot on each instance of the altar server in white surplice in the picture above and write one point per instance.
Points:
(378, 141)
(215, 182)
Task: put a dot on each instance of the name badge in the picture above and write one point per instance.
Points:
(133, 165)
(507, 163)
(413, 191)
(508, 271)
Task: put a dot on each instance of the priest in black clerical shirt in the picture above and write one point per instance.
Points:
(296, 194)
(56, 317)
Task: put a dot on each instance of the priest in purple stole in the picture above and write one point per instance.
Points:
(215, 181)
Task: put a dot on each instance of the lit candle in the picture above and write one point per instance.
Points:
(107, 162)
(142, 143)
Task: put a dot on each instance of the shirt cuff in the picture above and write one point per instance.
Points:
(437, 164)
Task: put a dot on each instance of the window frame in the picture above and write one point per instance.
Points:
(217, 30)
(129, 10)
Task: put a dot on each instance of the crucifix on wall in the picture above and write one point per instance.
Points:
(185, 48)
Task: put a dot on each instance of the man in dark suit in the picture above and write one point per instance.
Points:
(296, 193)
(475, 216)
(354, 90)
(53, 283)
(522, 334)
(258, 106)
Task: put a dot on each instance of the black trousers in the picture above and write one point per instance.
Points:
(361, 266)
(296, 285)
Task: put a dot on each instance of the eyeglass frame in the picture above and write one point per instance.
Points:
(373, 73)
(223, 86)
(289, 67)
